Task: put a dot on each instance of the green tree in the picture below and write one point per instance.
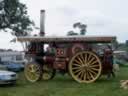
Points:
(70, 33)
(13, 15)
(82, 28)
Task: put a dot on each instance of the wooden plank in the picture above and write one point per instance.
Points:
(48, 39)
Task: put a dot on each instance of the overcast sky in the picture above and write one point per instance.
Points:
(103, 17)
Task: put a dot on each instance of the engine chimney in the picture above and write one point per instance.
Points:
(42, 22)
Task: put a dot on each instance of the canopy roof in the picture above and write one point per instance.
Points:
(49, 39)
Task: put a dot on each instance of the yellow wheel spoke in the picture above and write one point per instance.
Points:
(87, 75)
(79, 74)
(37, 73)
(94, 62)
(92, 71)
(32, 70)
(76, 71)
(94, 66)
(89, 62)
(77, 61)
(27, 69)
(89, 57)
(76, 65)
(76, 68)
(91, 75)
(80, 60)
(82, 75)
(85, 60)
(31, 76)
(95, 69)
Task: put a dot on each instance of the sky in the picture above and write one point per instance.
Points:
(103, 17)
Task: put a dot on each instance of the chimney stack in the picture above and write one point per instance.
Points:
(42, 22)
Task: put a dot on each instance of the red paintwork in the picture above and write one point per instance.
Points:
(64, 51)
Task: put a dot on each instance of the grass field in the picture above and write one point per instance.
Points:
(66, 86)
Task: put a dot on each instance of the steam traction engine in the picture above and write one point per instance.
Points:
(84, 58)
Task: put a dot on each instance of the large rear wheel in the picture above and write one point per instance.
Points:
(85, 67)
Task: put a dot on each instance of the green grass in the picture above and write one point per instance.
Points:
(66, 86)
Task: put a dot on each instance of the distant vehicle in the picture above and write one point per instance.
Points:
(119, 52)
(7, 77)
(2, 67)
(14, 67)
(12, 56)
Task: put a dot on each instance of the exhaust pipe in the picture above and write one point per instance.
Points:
(42, 22)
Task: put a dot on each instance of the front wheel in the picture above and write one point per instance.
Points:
(33, 71)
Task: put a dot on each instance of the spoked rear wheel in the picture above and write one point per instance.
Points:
(85, 67)
(33, 72)
(48, 73)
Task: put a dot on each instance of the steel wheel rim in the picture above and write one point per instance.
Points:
(47, 72)
(85, 67)
(32, 72)
(46, 76)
